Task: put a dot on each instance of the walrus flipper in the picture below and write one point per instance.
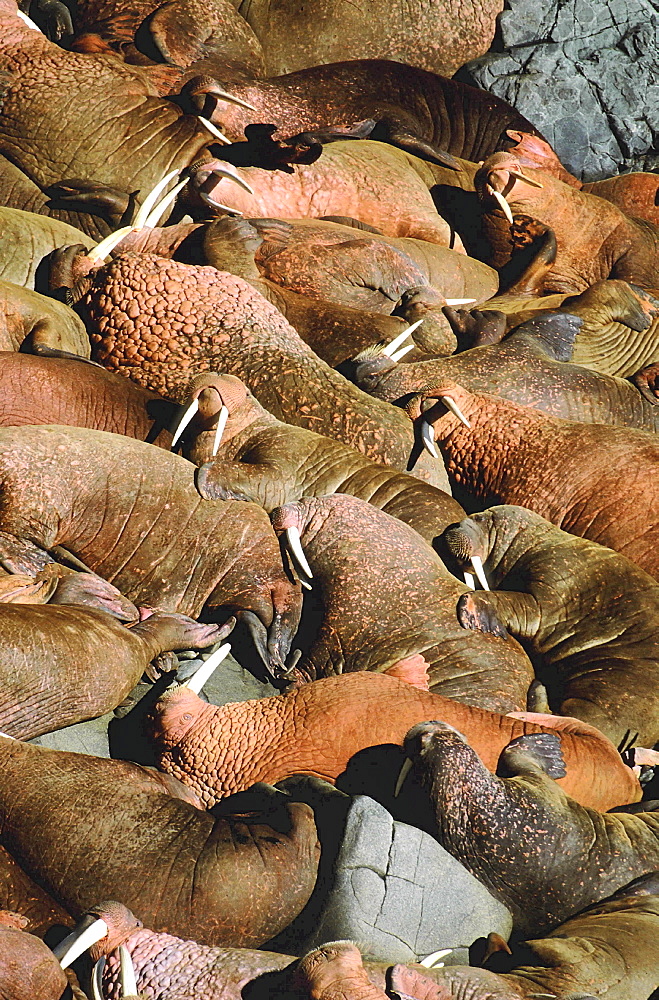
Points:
(541, 750)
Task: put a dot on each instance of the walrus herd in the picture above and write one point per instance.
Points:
(329, 589)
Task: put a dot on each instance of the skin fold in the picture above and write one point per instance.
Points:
(218, 751)
(222, 323)
(235, 880)
(61, 665)
(26, 238)
(355, 552)
(29, 321)
(590, 480)
(537, 850)
(19, 893)
(131, 513)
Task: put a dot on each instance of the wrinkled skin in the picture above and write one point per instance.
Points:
(595, 239)
(219, 751)
(61, 665)
(591, 480)
(635, 194)
(375, 616)
(30, 321)
(28, 968)
(238, 332)
(586, 614)
(76, 488)
(527, 368)
(37, 390)
(233, 881)
(18, 892)
(537, 850)
(26, 238)
(271, 462)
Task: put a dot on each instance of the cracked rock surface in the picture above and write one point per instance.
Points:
(586, 73)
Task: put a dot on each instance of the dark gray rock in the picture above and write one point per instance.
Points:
(586, 73)
(400, 895)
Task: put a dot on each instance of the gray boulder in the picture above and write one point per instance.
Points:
(586, 73)
(400, 896)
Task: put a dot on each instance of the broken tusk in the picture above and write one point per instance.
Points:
(294, 546)
(404, 771)
(428, 438)
(477, 566)
(79, 940)
(147, 205)
(503, 205)
(403, 351)
(219, 430)
(432, 961)
(451, 405)
(28, 20)
(155, 216)
(102, 249)
(401, 338)
(214, 130)
(459, 302)
(198, 679)
(186, 417)
(469, 580)
(97, 979)
(127, 980)
(522, 177)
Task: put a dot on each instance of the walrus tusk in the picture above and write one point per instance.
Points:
(232, 175)
(428, 438)
(503, 205)
(218, 204)
(431, 961)
(451, 405)
(219, 430)
(8, 737)
(401, 338)
(477, 564)
(127, 980)
(154, 217)
(404, 771)
(469, 580)
(28, 20)
(79, 940)
(186, 417)
(151, 199)
(224, 96)
(97, 979)
(198, 679)
(102, 249)
(294, 546)
(459, 302)
(403, 351)
(214, 130)
(522, 177)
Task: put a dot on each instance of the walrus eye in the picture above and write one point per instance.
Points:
(186, 717)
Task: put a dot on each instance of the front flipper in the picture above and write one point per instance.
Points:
(17, 555)
(476, 612)
(647, 382)
(511, 610)
(526, 754)
(257, 483)
(476, 327)
(395, 134)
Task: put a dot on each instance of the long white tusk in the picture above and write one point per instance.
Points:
(151, 199)
(451, 405)
(522, 177)
(233, 175)
(431, 961)
(187, 416)
(404, 771)
(78, 942)
(219, 430)
(97, 979)
(503, 205)
(155, 216)
(198, 680)
(214, 130)
(127, 980)
(28, 20)
(102, 249)
(218, 204)
(390, 348)
(233, 100)
(403, 351)
(459, 302)
(469, 580)
(477, 565)
(297, 552)
(8, 737)
(428, 438)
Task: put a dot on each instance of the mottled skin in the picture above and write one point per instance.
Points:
(219, 751)
(595, 239)
(591, 480)
(635, 194)
(18, 892)
(30, 321)
(36, 390)
(216, 321)
(61, 665)
(376, 615)
(537, 850)
(141, 136)
(270, 462)
(587, 616)
(26, 238)
(131, 513)
(231, 881)
(28, 968)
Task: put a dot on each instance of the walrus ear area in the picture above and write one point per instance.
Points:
(474, 611)
(541, 750)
